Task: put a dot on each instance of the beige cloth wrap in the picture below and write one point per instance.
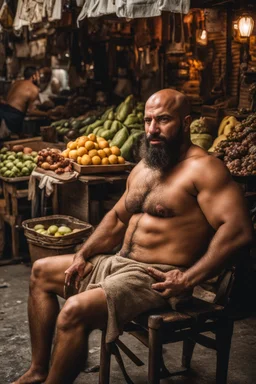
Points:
(127, 286)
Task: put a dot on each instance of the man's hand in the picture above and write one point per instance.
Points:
(171, 283)
(78, 269)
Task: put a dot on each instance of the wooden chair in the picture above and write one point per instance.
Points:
(189, 324)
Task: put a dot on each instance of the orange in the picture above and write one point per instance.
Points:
(103, 144)
(81, 141)
(93, 152)
(73, 145)
(89, 145)
(115, 150)
(112, 159)
(96, 160)
(107, 151)
(101, 153)
(65, 153)
(104, 161)
(92, 137)
(96, 145)
(73, 154)
(120, 160)
(78, 160)
(86, 160)
(81, 151)
(99, 138)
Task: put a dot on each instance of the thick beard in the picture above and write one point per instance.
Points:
(161, 157)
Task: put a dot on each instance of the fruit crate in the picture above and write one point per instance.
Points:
(45, 245)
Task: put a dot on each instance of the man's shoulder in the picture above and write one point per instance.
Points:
(208, 170)
(201, 158)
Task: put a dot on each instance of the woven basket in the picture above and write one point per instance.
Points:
(85, 229)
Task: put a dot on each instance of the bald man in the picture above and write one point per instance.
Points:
(180, 220)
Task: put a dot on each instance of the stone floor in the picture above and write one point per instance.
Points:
(15, 345)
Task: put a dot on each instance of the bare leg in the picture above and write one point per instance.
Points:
(47, 281)
(80, 314)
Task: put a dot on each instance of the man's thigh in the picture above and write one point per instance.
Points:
(51, 272)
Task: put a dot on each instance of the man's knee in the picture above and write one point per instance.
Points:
(71, 315)
(40, 271)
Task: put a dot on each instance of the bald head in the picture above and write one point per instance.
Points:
(171, 100)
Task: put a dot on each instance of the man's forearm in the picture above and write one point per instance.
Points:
(224, 245)
(37, 113)
(107, 235)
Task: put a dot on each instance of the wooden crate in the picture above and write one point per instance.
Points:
(36, 143)
(108, 168)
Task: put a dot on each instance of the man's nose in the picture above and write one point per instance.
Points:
(153, 128)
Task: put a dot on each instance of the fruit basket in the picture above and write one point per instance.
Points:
(84, 229)
(43, 245)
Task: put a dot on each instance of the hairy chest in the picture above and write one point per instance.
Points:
(157, 197)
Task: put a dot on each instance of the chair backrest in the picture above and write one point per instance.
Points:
(235, 284)
(224, 286)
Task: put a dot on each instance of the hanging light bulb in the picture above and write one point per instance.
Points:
(245, 25)
(203, 34)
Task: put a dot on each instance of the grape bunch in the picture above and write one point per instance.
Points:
(239, 150)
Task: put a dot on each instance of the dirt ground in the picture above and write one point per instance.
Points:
(15, 344)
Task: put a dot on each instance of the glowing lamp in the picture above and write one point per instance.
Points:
(203, 35)
(245, 25)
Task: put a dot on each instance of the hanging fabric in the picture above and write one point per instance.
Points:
(6, 17)
(96, 8)
(149, 8)
(176, 47)
(54, 10)
(18, 21)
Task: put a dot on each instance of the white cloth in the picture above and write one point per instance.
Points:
(33, 11)
(18, 22)
(80, 3)
(131, 8)
(46, 182)
(56, 13)
(96, 8)
(150, 8)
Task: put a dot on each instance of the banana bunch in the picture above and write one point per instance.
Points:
(226, 126)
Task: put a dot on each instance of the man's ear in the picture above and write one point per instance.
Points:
(187, 121)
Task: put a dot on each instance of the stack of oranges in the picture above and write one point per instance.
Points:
(93, 150)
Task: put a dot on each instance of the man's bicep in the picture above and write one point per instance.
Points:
(221, 199)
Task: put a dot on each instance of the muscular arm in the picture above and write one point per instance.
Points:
(109, 233)
(32, 102)
(224, 207)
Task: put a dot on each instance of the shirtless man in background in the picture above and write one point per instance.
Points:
(180, 221)
(21, 100)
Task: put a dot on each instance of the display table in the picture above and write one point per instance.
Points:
(14, 189)
(78, 197)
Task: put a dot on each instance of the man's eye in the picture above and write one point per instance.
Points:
(147, 121)
(163, 119)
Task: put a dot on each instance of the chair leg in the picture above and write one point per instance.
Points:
(223, 343)
(155, 354)
(105, 358)
(188, 348)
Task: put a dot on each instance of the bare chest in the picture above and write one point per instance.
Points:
(158, 198)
